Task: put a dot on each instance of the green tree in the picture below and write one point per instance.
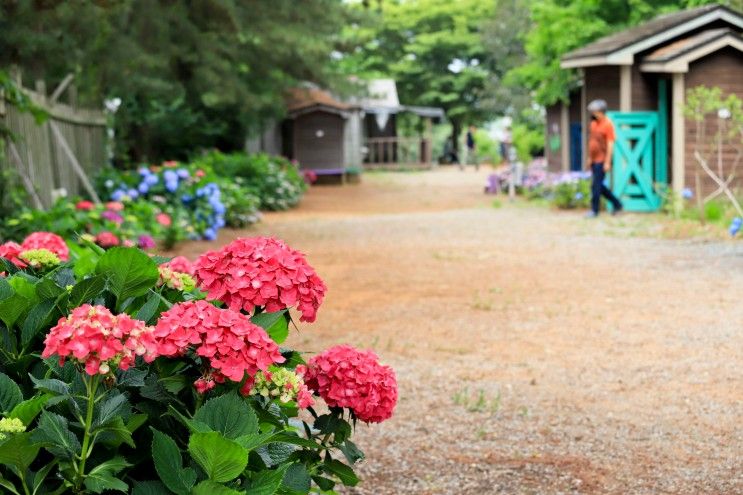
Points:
(432, 48)
(191, 74)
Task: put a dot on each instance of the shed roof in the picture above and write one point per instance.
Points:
(300, 100)
(620, 48)
(676, 56)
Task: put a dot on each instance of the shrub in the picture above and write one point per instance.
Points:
(118, 374)
(572, 193)
(275, 180)
(132, 224)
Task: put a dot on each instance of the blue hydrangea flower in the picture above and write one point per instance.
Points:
(170, 176)
(183, 173)
(210, 234)
(171, 186)
(578, 196)
(132, 193)
(735, 226)
(143, 188)
(186, 198)
(118, 195)
(687, 193)
(151, 179)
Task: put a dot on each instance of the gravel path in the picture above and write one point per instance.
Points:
(535, 353)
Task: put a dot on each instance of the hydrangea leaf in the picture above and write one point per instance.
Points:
(275, 324)
(208, 487)
(296, 479)
(86, 290)
(19, 451)
(228, 414)
(169, 464)
(27, 410)
(54, 432)
(130, 272)
(221, 459)
(10, 394)
(343, 472)
(267, 482)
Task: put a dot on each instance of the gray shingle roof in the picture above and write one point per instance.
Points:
(680, 47)
(622, 39)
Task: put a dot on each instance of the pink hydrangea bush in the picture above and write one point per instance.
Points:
(49, 241)
(180, 264)
(231, 344)
(350, 378)
(261, 272)
(98, 340)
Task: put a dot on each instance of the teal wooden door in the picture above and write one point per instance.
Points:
(638, 167)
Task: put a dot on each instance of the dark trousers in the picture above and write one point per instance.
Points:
(598, 189)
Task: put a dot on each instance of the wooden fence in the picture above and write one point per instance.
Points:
(391, 153)
(58, 156)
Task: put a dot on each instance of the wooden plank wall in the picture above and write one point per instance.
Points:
(43, 160)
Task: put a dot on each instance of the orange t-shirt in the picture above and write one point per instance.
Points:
(601, 133)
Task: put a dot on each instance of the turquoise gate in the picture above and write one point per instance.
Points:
(639, 164)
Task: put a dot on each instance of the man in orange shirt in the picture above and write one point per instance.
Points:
(601, 139)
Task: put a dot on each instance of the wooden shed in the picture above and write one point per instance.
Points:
(643, 74)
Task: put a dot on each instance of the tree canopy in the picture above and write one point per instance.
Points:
(191, 74)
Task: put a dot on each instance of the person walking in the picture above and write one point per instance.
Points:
(601, 139)
(471, 148)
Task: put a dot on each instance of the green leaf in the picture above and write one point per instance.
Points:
(27, 410)
(113, 406)
(86, 290)
(7, 484)
(23, 299)
(37, 320)
(7, 266)
(221, 459)
(48, 289)
(192, 425)
(169, 464)
(351, 451)
(255, 440)
(149, 308)
(324, 483)
(228, 414)
(208, 487)
(132, 377)
(54, 432)
(56, 387)
(6, 290)
(19, 451)
(297, 479)
(102, 478)
(10, 394)
(343, 472)
(115, 433)
(275, 324)
(275, 453)
(41, 475)
(130, 272)
(267, 482)
(85, 264)
(150, 488)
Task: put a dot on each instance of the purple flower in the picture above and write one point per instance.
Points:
(146, 242)
(112, 216)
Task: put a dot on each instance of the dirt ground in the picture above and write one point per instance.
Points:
(536, 352)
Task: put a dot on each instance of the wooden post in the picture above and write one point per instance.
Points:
(625, 88)
(564, 137)
(679, 133)
(583, 120)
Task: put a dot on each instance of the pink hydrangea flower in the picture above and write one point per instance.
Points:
(99, 340)
(180, 264)
(10, 251)
(354, 379)
(49, 241)
(228, 340)
(261, 272)
(146, 241)
(107, 239)
(84, 205)
(163, 219)
(115, 205)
